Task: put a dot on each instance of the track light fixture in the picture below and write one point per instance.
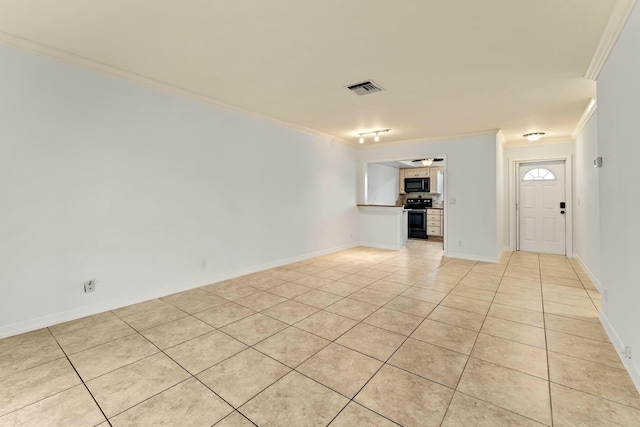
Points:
(376, 134)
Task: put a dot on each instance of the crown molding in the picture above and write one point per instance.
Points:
(78, 61)
(591, 107)
(431, 139)
(546, 140)
(621, 11)
(100, 68)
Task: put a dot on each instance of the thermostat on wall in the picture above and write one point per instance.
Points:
(597, 162)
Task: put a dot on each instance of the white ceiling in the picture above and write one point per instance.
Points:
(449, 67)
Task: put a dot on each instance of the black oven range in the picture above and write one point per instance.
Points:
(418, 217)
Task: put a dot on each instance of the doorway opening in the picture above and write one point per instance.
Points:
(384, 183)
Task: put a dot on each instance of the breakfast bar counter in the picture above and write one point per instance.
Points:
(383, 226)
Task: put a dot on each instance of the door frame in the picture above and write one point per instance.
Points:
(514, 196)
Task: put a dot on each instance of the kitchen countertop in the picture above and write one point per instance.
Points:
(394, 206)
(383, 206)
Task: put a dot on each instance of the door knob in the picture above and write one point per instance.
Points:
(562, 212)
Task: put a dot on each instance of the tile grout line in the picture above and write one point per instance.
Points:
(636, 408)
(384, 363)
(585, 289)
(362, 322)
(82, 380)
(159, 351)
(544, 323)
(331, 342)
(385, 261)
(587, 360)
(174, 385)
(475, 341)
(546, 353)
(493, 363)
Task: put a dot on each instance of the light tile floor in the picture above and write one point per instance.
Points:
(360, 337)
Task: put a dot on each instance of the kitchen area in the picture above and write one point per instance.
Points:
(403, 200)
(420, 191)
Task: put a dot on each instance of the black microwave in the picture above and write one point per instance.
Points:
(416, 185)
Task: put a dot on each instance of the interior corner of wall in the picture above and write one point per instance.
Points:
(501, 252)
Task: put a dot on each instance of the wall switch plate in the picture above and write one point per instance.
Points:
(627, 352)
(605, 295)
(203, 263)
(89, 286)
(452, 200)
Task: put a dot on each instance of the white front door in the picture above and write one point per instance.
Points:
(541, 219)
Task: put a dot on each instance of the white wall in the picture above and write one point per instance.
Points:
(539, 151)
(618, 144)
(470, 179)
(102, 179)
(587, 201)
(382, 184)
(502, 196)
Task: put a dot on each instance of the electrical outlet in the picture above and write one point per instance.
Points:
(89, 286)
(605, 294)
(203, 263)
(452, 200)
(627, 352)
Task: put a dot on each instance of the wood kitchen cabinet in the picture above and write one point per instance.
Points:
(434, 222)
(402, 176)
(436, 183)
(416, 173)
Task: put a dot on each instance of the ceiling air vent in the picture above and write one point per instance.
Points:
(365, 88)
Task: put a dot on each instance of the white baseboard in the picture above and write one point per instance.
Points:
(592, 276)
(632, 368)
(76, 313)
(380, 246)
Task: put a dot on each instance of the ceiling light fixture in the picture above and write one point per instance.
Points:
(376, 134)
(424, 162)
(533, 136)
